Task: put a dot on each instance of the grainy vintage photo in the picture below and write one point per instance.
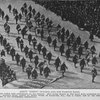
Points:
(49, 44)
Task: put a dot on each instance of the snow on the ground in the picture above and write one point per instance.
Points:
(73, 79)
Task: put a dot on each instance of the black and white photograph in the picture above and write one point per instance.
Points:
(49, 44)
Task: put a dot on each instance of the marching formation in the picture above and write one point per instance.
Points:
(65, 42)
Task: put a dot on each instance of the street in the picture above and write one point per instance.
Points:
(73, 79)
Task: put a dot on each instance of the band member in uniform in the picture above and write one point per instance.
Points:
(36, 61)
(18, 40)
(34, 41)
(23, 63)
(49, 40)
(46, 71)
(2, 53)
(57, 63)
(26, 50)
(39, 47)
(80, 51)
(34, 73)
(61, 49)
(9, 7)
(75, 60)
(54, 43)
(94, 74)
(17, 58)
(44, 51)
(20, 16)
(18, 28)
(28, 71)
(94, 60)
(63, 67)
(12, 53)
(30, 54)
(49, 57)
(29, 38)
(86, 44)
(82, 64)
(41, 67)
(68, 52)
(7, 18)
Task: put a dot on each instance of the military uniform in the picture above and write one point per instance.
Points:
(82, 64)
(61, 49)
(75, 60)
(30, 54)
(12, 53)
(17, 57)
(44, 51)
(63, 67)
(26, 50)
(18, 40)
(23, 63)
(49, 40)
(18, 28)
(7, 18)
(34, 41)
(36, 61)
(39, 47)
(34, 74)
(54, 43)
(94, 74)
(49, 57)
(9, 7)
(68, 52)
(21, 44)
(2, 53)
(57, 63)
(28, 71)
(20, 16)
(46, 71)
(30, 38)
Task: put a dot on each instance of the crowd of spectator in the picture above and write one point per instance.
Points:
(6, 73)
(85, 14)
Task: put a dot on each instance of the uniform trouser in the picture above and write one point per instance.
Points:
(44, 56)
(61, 53)
(56, 67)
(18, 45)
(21, 49)
(30, 59)
(26, 54)
(23, 68)
(39, 52)
(93, 76)
(41, 71)
(63, 73)
(28, 74)
(54, 48)
(46, 74)
(49, 61)
(17, 61)
(75, 65)
(12, 57)
(35, 65)
(79, 56)
(16, 21)
(29, 42)
(23, 36)
(82, 67)
(18, 31)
